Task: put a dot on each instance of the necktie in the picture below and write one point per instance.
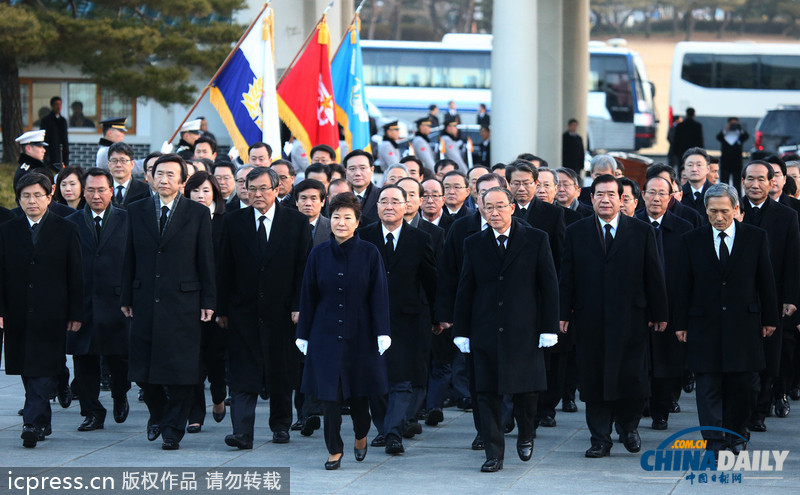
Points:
(361, 199)
(501, 239)
(119, 194)
(522, 211)
(163, 221)
(655, 224)
(389, 246)
(609, 238)
(262, 234)
(97, 225)
(723, 249)
(756, 216)
(697, 197)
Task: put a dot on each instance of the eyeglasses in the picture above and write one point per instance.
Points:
(121, 161)
(565, 185)
(493, 208)
(261, 190)
(36, 196)
(653, 192)
(393, 204)
(453, 187)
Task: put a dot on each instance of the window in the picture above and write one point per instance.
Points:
(85, 104)
(770, 72)
(697, 69)
(427, 68)
(609, 74)
(780, 72)
(736, 71)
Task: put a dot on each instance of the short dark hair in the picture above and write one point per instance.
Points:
(454, 173)
(635, 189)
(426, 174)
(521, 165)
(695, 151)
(207, 163)
(498, 166)
(777, 160)
(323, 147)
(258, 172)
(359, 153)
(477, 167)
(605, 178)
(690, 112)
(260, 144)
(338, 168)
(770, 170)
(657, 169)
(319, 168)
(415, 181)
(393, 186)
(337, 182)
(573, 175)
(198, 179)
(54, 99)
(288, 164)
(206, 139)
(345, 200)
(307, 184)
(530, 157)
(98, 172)
(443, 163)
(172, 158)
(413, 159)
(121, 147)
(63, 174)
(432, 107)
(570, 121)
(33, 178)
(225, 164)
(489, 177)
(150, 156)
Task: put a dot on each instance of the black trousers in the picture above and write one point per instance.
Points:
(571, 374)
(491, 416)
(38, 390)
(783, 384)
(169, 407)
(243, 411)
(305, 405)
(332, 414)
(87, 382)
(213, 353)
(476, 413)
(556, 370)
(663, 392)
(601, 414)
(725, 400)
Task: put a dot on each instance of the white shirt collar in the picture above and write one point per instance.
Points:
(395, 233)
(171, 205)
(697, 190)
(753, 205)
(614, 222)
(270, 213)
(660, 219)
(454, 212)
(125, 184)
(730, 231)
(506, 233)
(436, 220)
(314, 222)
(484, 223)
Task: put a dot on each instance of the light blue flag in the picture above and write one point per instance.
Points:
(348, 88)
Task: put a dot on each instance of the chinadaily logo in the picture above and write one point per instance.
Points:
(685, 452)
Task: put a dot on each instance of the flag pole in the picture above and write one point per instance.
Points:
(305, 44)
(216, 74)
(352, 21)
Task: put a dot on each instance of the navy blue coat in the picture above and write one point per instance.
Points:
(344, 307)
(105, 329)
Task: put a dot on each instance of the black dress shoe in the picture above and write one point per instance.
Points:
(297, 425)
(91, 423)
(412, 429)
(264, 394)
(360, 453)
(597, 451)
(19, 413)
(738, 447)
(758, 425)
(394, 446)
(153, 431)
(378, 441)
(280, 437)
(227, 401)
(29, 436)
(345, 410)
(170, 445)
(448, 402)
(568, 405)
(676, 408)
(194, 428)
(218, 417)
(492, 466)
(435, 416)
(547, 422)
(794, 393)
(333, 465)
(509, 427)
(478, 444)
(633, 442)
(310, 424)
(422, 415)
(238, 441)
(465, 403)
(121, 409)
(64, 396)
(525, 449)
(782, 406)
(688, 385)
(660, 424)
(48, 430)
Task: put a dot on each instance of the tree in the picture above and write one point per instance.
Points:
(138, 48)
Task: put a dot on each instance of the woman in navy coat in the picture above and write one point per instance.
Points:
(344, 327)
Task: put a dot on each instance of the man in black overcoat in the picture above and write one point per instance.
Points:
(41, 299)
(781, 225)
(728, 304)
(408, 259)
(126, 189)
(612, 287)
(55, 125)
(168, 288)
(264, 252)
(668, 355)
(695, 162)
(688, 134)
(359, 166)
(506, 310)
(103, 230)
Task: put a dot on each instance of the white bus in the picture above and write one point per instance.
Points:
(403, 78)
(739, 79)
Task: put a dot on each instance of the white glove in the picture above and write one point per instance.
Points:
(548, 340)
(233, 153)
(384, 342)
(462, 343)
(166, 147)
(302, 344)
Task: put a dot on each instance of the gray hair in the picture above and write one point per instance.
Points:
(549, 171)
(396, 165)
(257, 172)
(602, 162)
(721, 191)
(499, 189)
(571, 174)
(793, 163)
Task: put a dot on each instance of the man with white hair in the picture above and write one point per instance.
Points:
(600, 165)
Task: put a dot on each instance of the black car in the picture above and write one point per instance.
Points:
(779, 130)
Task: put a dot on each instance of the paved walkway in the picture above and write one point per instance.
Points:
(438, 461)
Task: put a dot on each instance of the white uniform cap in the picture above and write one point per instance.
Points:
(32, 137)
(191, 126)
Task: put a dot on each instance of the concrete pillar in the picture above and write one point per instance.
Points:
(549, 28)
(576, 64)
(515, 78)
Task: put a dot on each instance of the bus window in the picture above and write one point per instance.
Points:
(426, 69)
(697, 69)
(779, 72)
(736, 71)
(609, 74)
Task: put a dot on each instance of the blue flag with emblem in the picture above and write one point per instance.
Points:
(347, 74)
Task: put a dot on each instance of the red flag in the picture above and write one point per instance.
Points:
(305, 96)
